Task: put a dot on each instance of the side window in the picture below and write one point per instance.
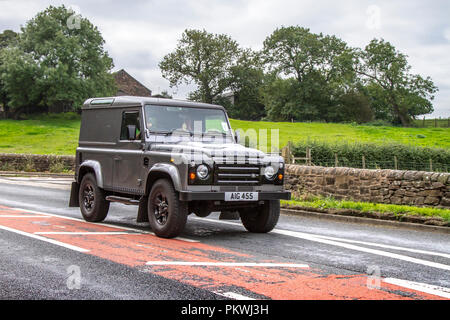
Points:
(130, 118)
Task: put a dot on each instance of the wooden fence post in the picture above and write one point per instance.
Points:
(308, 155)
(395, 163)
(290, 152)
(431, 165)
(336, 161)
(363, 162)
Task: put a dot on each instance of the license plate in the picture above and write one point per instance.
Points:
(241, 196)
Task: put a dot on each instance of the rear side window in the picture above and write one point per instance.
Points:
(129, 118)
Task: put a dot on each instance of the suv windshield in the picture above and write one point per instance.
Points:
(191, 121)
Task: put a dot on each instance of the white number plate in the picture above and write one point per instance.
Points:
(241, 196)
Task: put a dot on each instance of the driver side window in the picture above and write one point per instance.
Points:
(130, 118)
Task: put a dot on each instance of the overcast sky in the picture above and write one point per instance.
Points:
(139, 33)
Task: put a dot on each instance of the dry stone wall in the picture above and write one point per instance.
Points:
(379, 186)
(36, 163)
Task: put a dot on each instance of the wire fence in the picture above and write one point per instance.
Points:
(394, 165)
(397, 163)
(433, 123)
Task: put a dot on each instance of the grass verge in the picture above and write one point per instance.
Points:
(372, 210)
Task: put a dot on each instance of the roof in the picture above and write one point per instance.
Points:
(128, 85)
(123, 101)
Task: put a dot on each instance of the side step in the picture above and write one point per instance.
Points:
(127, 201)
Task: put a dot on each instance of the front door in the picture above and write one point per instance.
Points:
(128, 159)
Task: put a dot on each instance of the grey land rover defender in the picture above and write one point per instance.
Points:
(172, 158)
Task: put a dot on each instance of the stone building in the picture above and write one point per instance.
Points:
(129, 86)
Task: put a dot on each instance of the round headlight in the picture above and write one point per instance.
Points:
(269, 172)
(202, 172)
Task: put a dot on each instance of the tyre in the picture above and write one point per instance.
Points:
(166, 213)
(93, 205)
(263, 219)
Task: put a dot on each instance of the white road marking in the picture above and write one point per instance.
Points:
(363, 249)
(98, 224)
(59, 243)
(387, 246)
(315, 238)
(226, 264)
(87, 233)
(29, 216)
(434, 290)
(39, 183)
(233, 295)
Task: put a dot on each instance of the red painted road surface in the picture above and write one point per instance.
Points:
(136, 249)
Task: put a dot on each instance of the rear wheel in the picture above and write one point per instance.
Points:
(93, 204)
(166, 213)
(263, 219)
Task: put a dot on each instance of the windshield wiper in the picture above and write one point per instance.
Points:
(168, 133)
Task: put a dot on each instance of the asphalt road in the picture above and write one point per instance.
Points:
(49, 252)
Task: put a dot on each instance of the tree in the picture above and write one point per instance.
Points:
(354, 106)
(164, 94)
(247, 80)
(7, 38)
(320, 64)
(59, 60)
(387, 73)
(204, 59)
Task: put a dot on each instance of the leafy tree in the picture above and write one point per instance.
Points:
(354, 106)
(247, 80)
(164, 94)
(387, 74)
(7, 38)
(204, 59)
(320, 64)
(58, 61)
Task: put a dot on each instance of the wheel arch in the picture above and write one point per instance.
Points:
(163, 171)
(91, 166)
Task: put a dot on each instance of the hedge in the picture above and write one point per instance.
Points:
(376, 156)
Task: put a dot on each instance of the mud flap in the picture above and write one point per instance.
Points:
(142, 211)
(73, 202)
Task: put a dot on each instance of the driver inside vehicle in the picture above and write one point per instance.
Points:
(186, 125)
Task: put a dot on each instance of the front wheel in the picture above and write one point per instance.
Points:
(263, 219)
(166, 213)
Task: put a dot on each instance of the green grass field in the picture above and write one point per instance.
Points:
(333, 132)
(58, 134)
(55, 134)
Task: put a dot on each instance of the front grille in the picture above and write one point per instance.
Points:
(225, 174)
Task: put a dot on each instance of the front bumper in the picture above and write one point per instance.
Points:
(220, 196)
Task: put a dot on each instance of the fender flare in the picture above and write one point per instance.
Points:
(96, 167)
(169, 170)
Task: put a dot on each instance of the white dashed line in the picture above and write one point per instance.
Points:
(59, 243)
(233, 295)
(427, 288)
